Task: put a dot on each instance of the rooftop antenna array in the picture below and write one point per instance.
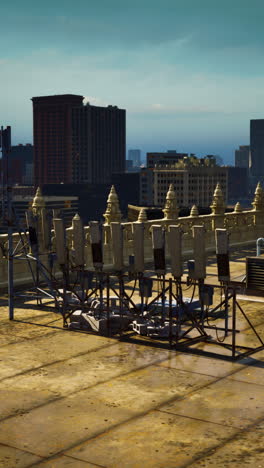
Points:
(127, 300)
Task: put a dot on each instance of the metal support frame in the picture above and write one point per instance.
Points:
(231, 304)
(187, 327)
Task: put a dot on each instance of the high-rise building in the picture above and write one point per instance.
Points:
(242, 156)
(129, 165)
(238, 184)
(135, 156)
(257, 147)
(76, 143)
(98, 143)
(15, 163)
(170, 157)
(194, 182)
(28, 177)
(52, 128)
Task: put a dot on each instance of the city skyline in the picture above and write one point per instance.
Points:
(188, 73)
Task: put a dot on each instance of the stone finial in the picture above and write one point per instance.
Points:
(171, 210)
(218, 204)
(238, 208)
(258, 202)
(76, 217)
(76, 220)
(113, 213)
(38, 203)
(142, 217)
(194, 211)
(38, 200)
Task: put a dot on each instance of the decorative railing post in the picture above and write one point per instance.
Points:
(112, 213)
(78, 240)
(139, 240)
(238, 208)
(39, 211)
(171, 210)
(258, 206)
(142, 217)
(194, 212)
(218, 208)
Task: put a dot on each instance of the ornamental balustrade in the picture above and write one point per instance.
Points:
(244, 227)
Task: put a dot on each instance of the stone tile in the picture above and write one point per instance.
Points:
(244, 450)
(259, 330)
(52, 428)
(68, 462)
(247, 338)
(60, 424)
(253, 373)
(202, 364)
(28, 354)
(8, 338)
(13, 332)
(60, 379)
(215, 348)
(246, 298)
(199, 348)
(155, 440)
(254, 312)
(22, 310)
(241, 323)
(224, 402)
(11, 457)
(147, 388)
(16, 401)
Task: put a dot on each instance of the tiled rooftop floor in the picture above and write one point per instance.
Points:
(77, 400)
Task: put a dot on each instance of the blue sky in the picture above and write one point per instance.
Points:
(190, 73)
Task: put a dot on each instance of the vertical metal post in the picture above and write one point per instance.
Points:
(108, 303)
(10, 255)
(178, 306)
(170, 311)
(101, 291)
(121, 298)
(35, 250)
(234, 323)
(64, 296)
(2, 175)
(141, 289)
(201, 297)
(163, 297)
(6, 148)
(226, 311)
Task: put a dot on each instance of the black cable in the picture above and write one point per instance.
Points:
(214, 327)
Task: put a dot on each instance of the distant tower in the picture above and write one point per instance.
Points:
(242, 156)
(52, 128)
(99, 143)
(135, 156)
(257, 147)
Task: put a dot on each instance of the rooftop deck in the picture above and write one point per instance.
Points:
(80, 400)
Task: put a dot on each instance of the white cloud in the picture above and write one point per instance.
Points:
(96, 101)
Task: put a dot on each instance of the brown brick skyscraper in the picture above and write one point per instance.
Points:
(52, 126)
(76, 143)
